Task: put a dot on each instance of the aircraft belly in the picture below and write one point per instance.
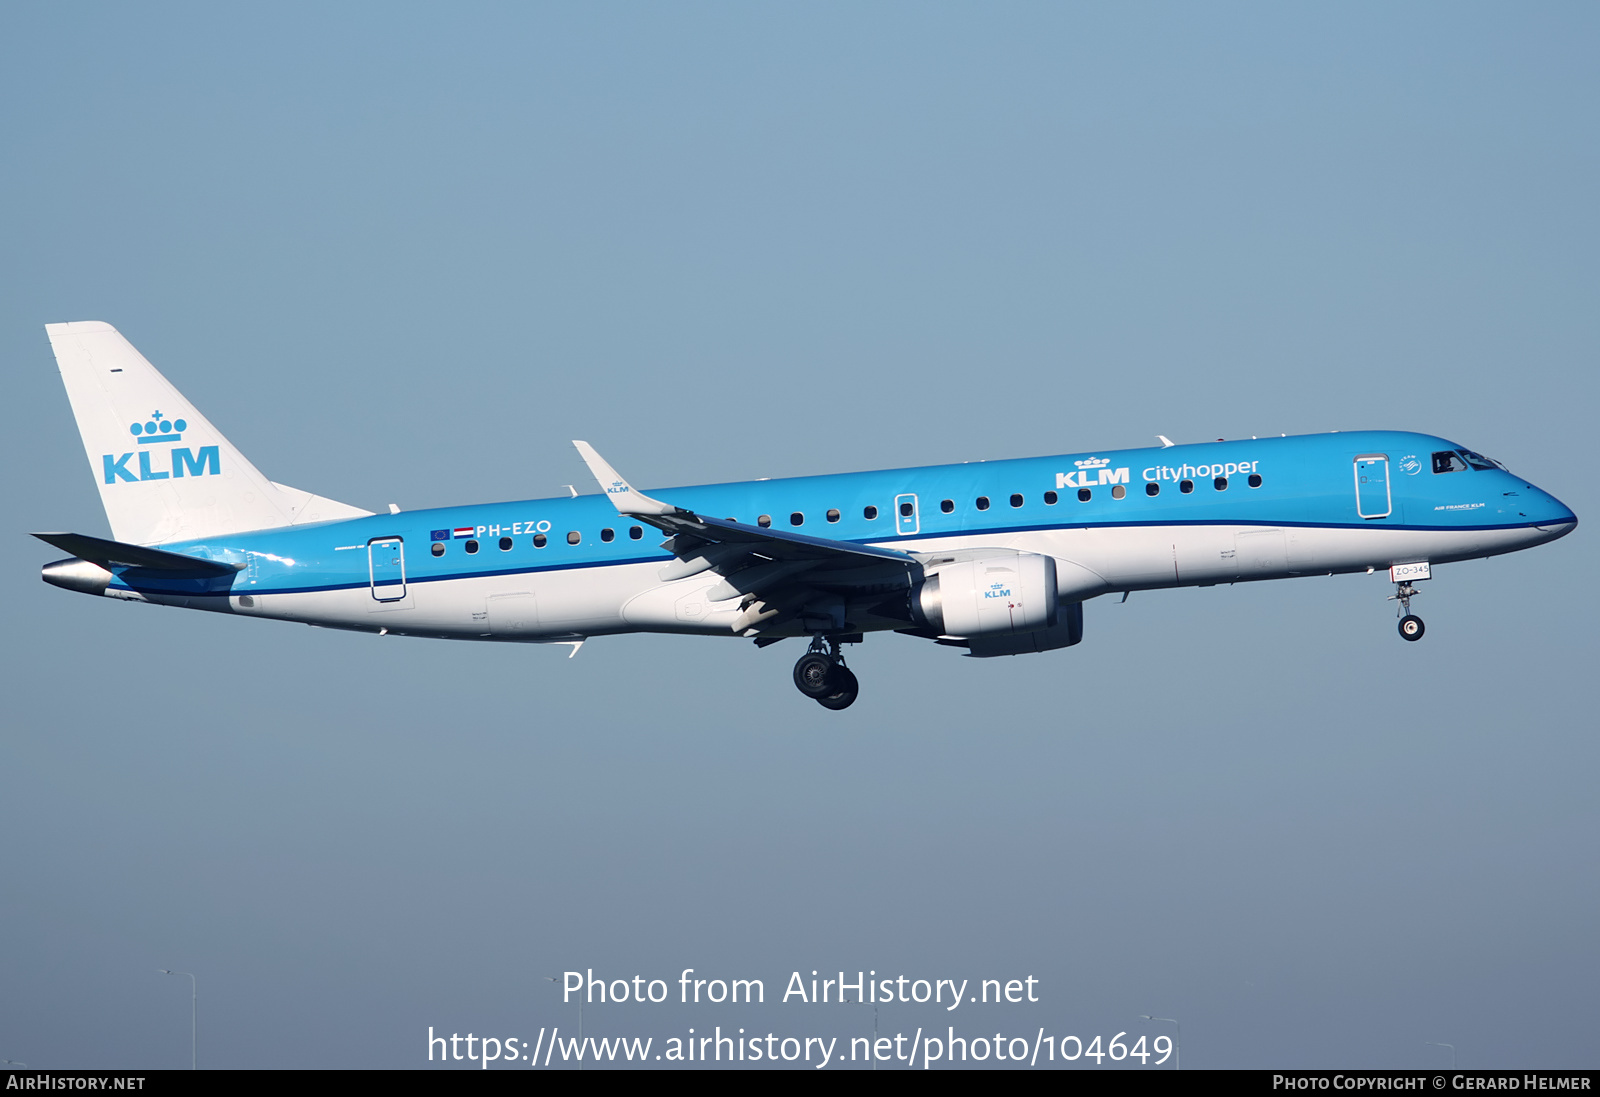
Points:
(583, 600)
(1260, 553)
(1321, 550)
(535, 606)
(1205, 553)
(519, 606)
(1133, 557)
(682, 605)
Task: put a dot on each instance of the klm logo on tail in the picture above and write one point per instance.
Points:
(159, 431)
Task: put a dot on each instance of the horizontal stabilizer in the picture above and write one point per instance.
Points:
(110, 554)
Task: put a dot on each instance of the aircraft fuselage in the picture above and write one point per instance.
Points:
(1121, 520)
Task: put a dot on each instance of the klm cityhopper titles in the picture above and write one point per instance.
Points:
(995, 558)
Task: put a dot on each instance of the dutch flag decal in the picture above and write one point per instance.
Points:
(465, 531)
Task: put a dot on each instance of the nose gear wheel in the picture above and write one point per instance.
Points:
(1411, 626)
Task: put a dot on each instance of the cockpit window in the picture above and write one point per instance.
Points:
(1479, 461)
(1448, 461)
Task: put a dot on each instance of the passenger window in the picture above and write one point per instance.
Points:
(438, 548)
(472, 546)
(539, 540)
(869, 513)
(797, 519)
(1016, 500)
(1084, 494)
(1447, 461)
(906, 510)
(1050, 498)
(1152, 488)
(983, 502)
(833, 516)
(764, 521)
(505, 544)
(1220, 483)
(635, 532)
(607, 535)
(1119, 492)
(1255, 480)
(1186, 486)
(948, 506)
(574, 537)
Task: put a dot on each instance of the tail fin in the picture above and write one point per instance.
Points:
(164, 472)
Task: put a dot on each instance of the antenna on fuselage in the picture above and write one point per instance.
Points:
(1166, 443)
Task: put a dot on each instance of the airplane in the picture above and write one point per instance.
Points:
(993, 558)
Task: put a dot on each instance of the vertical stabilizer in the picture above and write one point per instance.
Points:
(164, 472)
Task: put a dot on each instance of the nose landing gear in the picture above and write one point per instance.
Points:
(1411, 626)
(821, 675)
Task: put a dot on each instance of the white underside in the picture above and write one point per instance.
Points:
(544, 607)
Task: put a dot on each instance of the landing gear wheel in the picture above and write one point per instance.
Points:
(815, 675)
(1411, 627)
(847, 686)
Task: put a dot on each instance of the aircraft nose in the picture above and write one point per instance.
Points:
(1553, 515)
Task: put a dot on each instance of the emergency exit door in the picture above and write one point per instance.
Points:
(906, 519)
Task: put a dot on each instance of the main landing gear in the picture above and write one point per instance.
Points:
(1411, 626)
(821, 675)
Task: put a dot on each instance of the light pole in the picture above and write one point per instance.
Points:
(553, 979)
(1452, 1047)
(1177, 1043)
(194, 1000)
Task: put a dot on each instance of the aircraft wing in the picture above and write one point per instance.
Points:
(778, 574)
(780, 544)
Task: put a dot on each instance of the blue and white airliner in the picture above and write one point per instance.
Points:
(994, 558)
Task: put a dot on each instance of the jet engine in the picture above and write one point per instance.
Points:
(995, 594)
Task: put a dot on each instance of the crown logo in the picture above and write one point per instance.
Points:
(1093, 462)
(158, 429)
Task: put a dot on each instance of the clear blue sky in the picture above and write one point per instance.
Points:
(405, 253)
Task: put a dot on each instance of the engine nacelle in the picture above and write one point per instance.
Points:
(997, 594)
(1067, 630)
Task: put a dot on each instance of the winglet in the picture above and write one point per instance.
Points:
(622, 494)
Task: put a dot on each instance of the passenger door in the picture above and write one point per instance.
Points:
(386, 564)
(1372, 486)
